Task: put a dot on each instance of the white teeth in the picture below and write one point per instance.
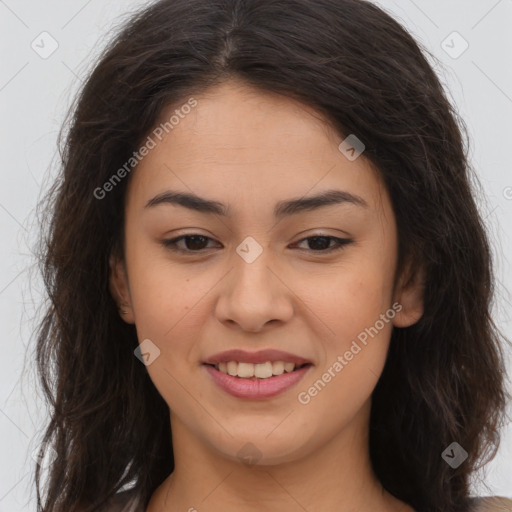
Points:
(245, 370)
(288, 367)
(232, 368)
(278, 367)
(260, 370)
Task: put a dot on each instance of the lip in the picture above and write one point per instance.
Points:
(256, 389)
(262, 356)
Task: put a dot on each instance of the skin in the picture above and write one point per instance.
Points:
(250, 149)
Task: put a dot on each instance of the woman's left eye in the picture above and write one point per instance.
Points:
(317, 243)
(322, 243)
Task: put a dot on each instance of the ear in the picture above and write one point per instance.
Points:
(119, 288)
(409, 294)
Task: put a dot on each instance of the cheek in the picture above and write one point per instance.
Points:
(169, 307)
(171, 303)
(354, 356)
(354, 303)
(349, 297)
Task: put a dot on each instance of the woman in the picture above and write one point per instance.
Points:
(270, 282)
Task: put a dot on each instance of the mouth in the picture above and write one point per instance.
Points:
(256, 375)
(256, 381)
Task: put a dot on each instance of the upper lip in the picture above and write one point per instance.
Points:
(262, 356)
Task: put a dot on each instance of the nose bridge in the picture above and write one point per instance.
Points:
(253, 295)
(252, 264)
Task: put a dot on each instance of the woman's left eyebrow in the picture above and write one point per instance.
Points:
(282, 208)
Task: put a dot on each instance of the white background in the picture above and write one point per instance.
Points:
(35, 94)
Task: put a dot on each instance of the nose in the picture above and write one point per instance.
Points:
(254, 295)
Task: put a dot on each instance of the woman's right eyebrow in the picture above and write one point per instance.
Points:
(282, 208)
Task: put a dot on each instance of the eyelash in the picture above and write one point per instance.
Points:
(340, 243)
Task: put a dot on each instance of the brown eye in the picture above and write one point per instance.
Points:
(320, 243)
(193, 243)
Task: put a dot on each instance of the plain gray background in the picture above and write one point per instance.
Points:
(36, 87)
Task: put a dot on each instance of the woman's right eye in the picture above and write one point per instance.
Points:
(193, 243)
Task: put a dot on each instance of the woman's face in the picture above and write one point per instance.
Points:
(251, 280)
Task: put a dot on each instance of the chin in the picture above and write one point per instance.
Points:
(260, 450)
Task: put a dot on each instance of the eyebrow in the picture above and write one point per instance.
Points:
(282, 208)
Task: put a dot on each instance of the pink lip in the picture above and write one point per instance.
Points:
(256, 388)
(262, 356)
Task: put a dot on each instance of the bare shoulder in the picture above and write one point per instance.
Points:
(492, 504)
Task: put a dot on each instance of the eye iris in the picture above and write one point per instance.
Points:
(312, 242)
(196, 240)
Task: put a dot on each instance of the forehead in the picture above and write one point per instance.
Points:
(239, 140)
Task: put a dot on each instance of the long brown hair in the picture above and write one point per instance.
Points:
(444, 377)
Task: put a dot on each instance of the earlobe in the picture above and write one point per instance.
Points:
(118, 286)
(410, 295)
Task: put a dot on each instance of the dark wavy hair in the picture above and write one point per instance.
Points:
(444, 378)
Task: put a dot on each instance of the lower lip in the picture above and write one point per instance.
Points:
(256, 388)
